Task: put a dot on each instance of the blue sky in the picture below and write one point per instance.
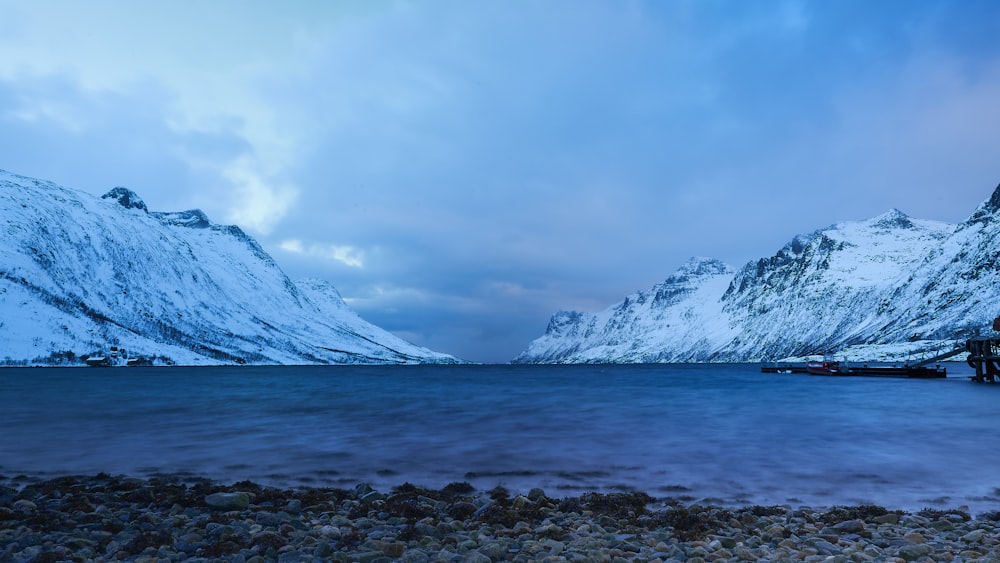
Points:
(463, 170)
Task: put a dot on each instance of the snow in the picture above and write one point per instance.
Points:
(81, 274)
(886, 289)
(648, 325)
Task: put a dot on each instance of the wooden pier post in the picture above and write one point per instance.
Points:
(984, 358)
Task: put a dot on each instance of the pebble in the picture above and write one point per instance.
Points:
(104, 518)
(228, 501)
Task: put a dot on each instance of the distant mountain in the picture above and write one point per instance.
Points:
(881, 289)
(82, 276)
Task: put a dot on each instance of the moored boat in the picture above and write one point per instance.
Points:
(825, 367)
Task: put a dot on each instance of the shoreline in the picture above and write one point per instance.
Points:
(175, 518)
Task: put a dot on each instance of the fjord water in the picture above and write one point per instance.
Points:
(722, 432)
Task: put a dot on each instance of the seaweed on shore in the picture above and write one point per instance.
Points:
(463, 488)
(450, 493)
(758, 510)
(620, 506)
(935, 514)
(414, 503)
(509, 512)
(329, 496)
(693, 523)
(405, 502)
(864, 512)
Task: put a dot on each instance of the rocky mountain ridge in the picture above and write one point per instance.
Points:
(884, 289)
(85, 277)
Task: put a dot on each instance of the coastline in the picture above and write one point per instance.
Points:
(110, 518)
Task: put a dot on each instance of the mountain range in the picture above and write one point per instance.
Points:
(107, 280)
(891, 288)
(85, 278)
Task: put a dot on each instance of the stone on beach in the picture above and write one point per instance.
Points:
(110, 518)
(228, 501)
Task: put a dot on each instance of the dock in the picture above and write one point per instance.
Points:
(864, 370)
(914, 370)
(983, 356)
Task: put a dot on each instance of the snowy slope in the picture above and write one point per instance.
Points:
(80, 275)
(956, 287)
(875, 290)
(679, 316)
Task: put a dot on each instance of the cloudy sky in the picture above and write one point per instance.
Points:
(461, 170)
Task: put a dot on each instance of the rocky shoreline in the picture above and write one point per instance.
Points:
(114, 518)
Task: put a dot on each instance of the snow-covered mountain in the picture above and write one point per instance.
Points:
(882, 289)
(87, 276)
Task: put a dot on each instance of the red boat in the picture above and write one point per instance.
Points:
(826, 367)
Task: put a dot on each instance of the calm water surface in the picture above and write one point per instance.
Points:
(726, 432)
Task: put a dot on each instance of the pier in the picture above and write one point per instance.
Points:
(983, 357)
(864, 370)
(916, 370)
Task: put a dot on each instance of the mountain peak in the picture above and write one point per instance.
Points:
(126, 198)
(892, 219)
(562, 322)
(701, 266)
(994, 202)
(987, 209)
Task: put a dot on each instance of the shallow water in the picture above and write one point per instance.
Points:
(726, 432)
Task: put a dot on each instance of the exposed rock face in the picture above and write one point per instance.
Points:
(106, 277)
(880, 288)
(194, 219)
(126, 198)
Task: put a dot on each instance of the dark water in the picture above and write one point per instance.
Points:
(727, 432)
